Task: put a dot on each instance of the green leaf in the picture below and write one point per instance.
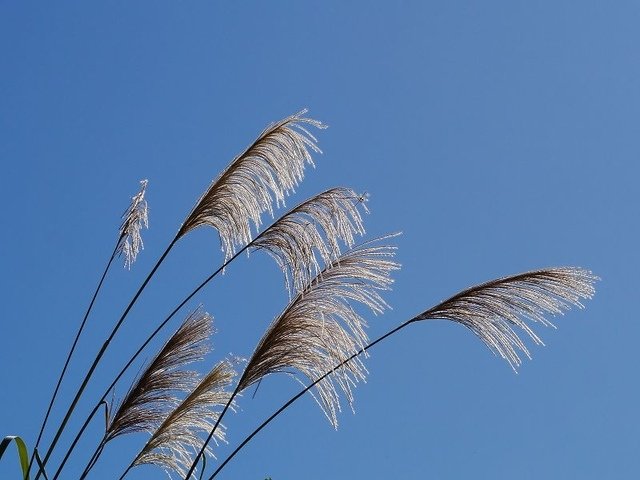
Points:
(22, 452)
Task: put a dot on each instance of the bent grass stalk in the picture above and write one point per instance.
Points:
(70, 354)
(274, 163)
(98, 357)
(302, 392)
(256, 241)
(129, 244)
(490, 310)
(135, 355)
(319, 326)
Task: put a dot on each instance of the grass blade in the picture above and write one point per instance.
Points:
(23, 455)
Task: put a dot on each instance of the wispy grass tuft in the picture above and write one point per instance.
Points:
(152, 395)
(136, 217)
(264, 174)
(495, 309)
(319, 338)
(320, 327)
(175, 441)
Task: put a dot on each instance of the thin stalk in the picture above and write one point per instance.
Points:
(213, 430)
(305, 390)
(100, 355)
(75, 440)
(142, 347)
(94, 457)
(131, 465)
(126, 471)
(73, 347)
(157, 330)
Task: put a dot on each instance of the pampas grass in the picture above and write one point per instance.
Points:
(494, 311)
(319, 225)
(264, 174)
(320, 327)
(136, 217)
(128, 244)
(177, 438)
(490, 310)
(152, 394)
(320, 338)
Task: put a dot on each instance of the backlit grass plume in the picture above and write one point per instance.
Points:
(264, 174)
(129, 244)
(145, 405)
(175, 441)
(320, 328)
(320, 224)
(135, 217)
(490, 310)
(319, 338)
(495, 310)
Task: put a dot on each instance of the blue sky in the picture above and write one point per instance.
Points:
(498, 136)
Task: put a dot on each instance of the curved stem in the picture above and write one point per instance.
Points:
(94, 457)
(305, 390)
(139, 351)
(69, 355)
(157, 330)
(213, 430)
(126, 471)
(75, 440)
(100, 354)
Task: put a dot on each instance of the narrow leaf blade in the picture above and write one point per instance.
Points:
(23, 454)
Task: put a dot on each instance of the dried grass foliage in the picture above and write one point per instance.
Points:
(175, 441)
(320, 328)
(264, 174)
(134, 218)
(496, 310)
(320, 335)
(320, 225)
(153, 393)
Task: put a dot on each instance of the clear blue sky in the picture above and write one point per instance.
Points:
(498, 136)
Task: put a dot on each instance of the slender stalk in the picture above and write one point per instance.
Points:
(247, 376)
(131, 465)
(213, 430)
(94, 457)
(100, 355)
(159, 328)
(73, 347)
(126, 471)
(305, 390)
(75, 440)
(139, 351)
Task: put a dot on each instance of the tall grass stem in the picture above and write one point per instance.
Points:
(99, 357)
(70, 354)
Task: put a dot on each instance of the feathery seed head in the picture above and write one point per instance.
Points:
(491, 310)
(153, 393)
(319, 329)
(174, 442)
(266, 172)
(319, 225)
(133, 219)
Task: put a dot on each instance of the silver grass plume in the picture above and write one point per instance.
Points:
(320, 224)
(146, 404)
(133, 219)
(491, 310)
(171, 446)
(319, 328)
(267, 170)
